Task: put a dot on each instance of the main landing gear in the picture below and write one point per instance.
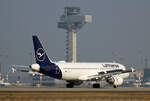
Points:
(96, 85)
(114, 86)
(70, 85)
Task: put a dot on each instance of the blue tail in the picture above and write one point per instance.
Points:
(40, 54)
(46, 66)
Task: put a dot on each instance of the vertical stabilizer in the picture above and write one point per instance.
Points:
(40, 54)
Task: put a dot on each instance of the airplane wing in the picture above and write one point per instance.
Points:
(105, 75)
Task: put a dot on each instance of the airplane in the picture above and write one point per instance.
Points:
(76, 73)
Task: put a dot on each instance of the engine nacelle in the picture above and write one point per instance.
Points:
(35, 67)
(115, 80)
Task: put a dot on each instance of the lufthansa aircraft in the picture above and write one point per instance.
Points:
(76, 73)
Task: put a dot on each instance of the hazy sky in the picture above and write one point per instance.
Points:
(120, 30)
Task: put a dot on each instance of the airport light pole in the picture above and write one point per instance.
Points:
(3, 65)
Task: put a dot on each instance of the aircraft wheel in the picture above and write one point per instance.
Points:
(70, 85)
(114, 86)
(96, 85)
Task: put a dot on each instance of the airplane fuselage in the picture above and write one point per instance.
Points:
(75, 71)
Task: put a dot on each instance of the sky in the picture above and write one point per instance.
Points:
(120, 31)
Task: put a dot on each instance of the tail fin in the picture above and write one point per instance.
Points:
(40, 54)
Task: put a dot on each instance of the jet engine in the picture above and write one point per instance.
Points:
(35, 67)
(115, 80)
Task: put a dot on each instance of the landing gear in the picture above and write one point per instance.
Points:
(96, 85)
(114, 86)
(70, 85)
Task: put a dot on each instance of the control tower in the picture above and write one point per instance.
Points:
(72, 20)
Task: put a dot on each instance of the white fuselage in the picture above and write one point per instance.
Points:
(77, 71)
